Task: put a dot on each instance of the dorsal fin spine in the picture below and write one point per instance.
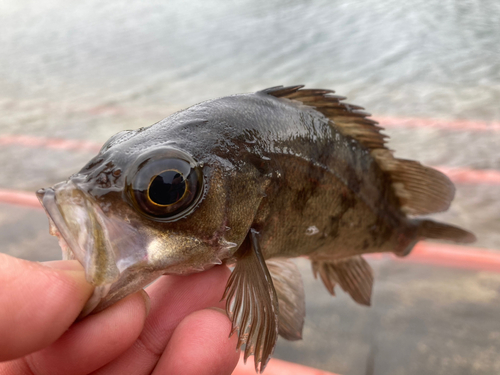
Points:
(420, 190)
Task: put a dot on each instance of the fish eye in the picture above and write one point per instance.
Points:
(165, 188)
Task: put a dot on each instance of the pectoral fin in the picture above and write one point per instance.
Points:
(290, 291)
(353, 274)
(252, 303)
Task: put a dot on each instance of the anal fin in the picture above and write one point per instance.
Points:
(252, 303)
(353, 274)
(290, 290)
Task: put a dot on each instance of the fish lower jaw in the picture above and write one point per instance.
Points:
(188, 270)
(67, 253)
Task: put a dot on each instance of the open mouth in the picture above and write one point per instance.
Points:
(119, 252)
(81, 233)
(108, 248)
(58, 226)
(105, 245)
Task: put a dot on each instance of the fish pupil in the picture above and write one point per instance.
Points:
(167, 188)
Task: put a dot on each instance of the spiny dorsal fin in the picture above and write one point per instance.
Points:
(421, 190)
(349, 118)
(290, 291)
(353, 274)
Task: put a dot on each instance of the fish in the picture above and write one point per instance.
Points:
(249, 181)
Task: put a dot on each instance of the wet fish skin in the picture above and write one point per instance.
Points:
(286, 172)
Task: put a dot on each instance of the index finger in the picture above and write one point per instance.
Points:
(172, 299)
(38, 303)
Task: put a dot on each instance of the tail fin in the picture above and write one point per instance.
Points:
(441, 231)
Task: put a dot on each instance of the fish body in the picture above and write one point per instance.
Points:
(249, 180)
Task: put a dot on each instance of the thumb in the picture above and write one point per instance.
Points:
(38, 302)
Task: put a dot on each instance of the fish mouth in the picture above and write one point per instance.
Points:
(71, 246)
(109, 248)
(120, 254)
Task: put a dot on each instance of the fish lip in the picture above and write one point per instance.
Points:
(82, 228)
(104, 245)
(69, 207)
(58, 226)
(109, 246)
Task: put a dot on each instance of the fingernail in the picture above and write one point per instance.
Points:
(65, 265)
(76, 272)
(147, 301)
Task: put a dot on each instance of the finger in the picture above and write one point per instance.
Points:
(200, 345)
(89, 344)
(172, 298)
(38, 303)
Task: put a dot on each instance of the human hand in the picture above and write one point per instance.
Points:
(39, 303)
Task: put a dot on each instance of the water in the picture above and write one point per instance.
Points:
(431, 58)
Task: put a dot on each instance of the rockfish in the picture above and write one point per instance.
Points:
(248, 180)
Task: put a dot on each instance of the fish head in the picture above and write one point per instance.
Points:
(133, 214)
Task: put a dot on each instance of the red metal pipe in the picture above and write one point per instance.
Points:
(457, 175)
(51, 143)
(454, 256)
(424, 252)
(19, 198)
(277, 367)
(442, 124)
(471, 176)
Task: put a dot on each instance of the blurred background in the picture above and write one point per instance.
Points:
(429, 71)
